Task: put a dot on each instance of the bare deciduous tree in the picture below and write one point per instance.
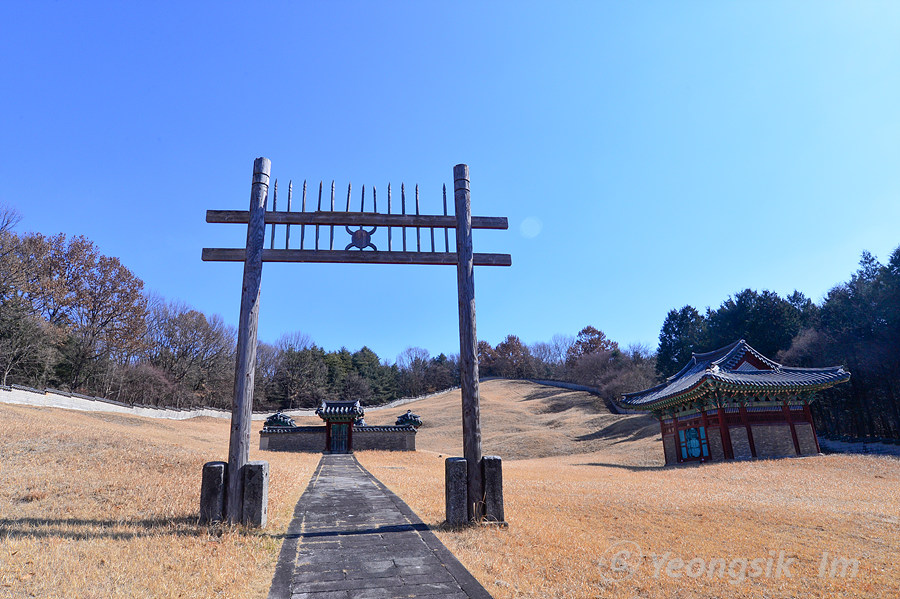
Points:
(294, 341)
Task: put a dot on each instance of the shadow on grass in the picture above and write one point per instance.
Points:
(329, 532)
(68, 528)
(630, 429)
(559, 399)
(621, 466)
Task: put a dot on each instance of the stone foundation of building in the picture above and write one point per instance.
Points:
(771, 436)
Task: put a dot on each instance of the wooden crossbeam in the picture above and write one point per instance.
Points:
(354, 257)
(365, 219)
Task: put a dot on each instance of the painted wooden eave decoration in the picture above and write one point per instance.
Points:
(734, 370)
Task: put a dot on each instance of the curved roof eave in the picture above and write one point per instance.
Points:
(720, 370)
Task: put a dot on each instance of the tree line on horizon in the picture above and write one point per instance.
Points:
(857, 325)
(74, 319)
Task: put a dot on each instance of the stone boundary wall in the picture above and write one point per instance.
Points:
(303, 438)
(312, 439)
(53, 398)
(384, 438)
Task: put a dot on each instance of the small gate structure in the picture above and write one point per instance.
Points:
(339, 437)
(360, 249)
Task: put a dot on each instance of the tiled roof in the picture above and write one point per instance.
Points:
(736, 368)
(291, 429)
(340, 410)
(382, 429)
(279, 419)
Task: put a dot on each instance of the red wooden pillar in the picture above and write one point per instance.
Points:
(807, 412)
(350, 437)
(787, 414)
(327, 436)
(678, 458)
(746, 422)
(727, 448)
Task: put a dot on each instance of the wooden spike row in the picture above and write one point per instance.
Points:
(274, 209)
(362, 207)
(303, 209)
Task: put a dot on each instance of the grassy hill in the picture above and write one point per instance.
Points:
(523, 420)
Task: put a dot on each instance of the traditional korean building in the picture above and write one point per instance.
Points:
(345, 430)
(735, 403)
(339, 417)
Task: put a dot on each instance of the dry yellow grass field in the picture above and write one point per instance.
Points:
(524, 420)
(101, 505)
(105, 505)
(585, 480)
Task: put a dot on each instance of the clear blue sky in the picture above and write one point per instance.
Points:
(672, 152)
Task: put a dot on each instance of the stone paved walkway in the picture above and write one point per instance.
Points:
(353, 538)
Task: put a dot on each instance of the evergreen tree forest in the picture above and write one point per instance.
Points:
(76, 320)
(857, 325)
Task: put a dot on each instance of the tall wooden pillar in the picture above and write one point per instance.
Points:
(468, 353)
(242, 406)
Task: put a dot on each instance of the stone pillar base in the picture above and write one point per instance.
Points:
(212, 492)
(492, 473)
(456, 491)
(256, 494)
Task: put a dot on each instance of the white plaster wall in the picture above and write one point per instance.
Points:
(51, 399)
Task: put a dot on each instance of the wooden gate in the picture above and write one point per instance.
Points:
(339, 437)
(361, 247)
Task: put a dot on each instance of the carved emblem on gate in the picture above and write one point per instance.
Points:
(361, 238)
